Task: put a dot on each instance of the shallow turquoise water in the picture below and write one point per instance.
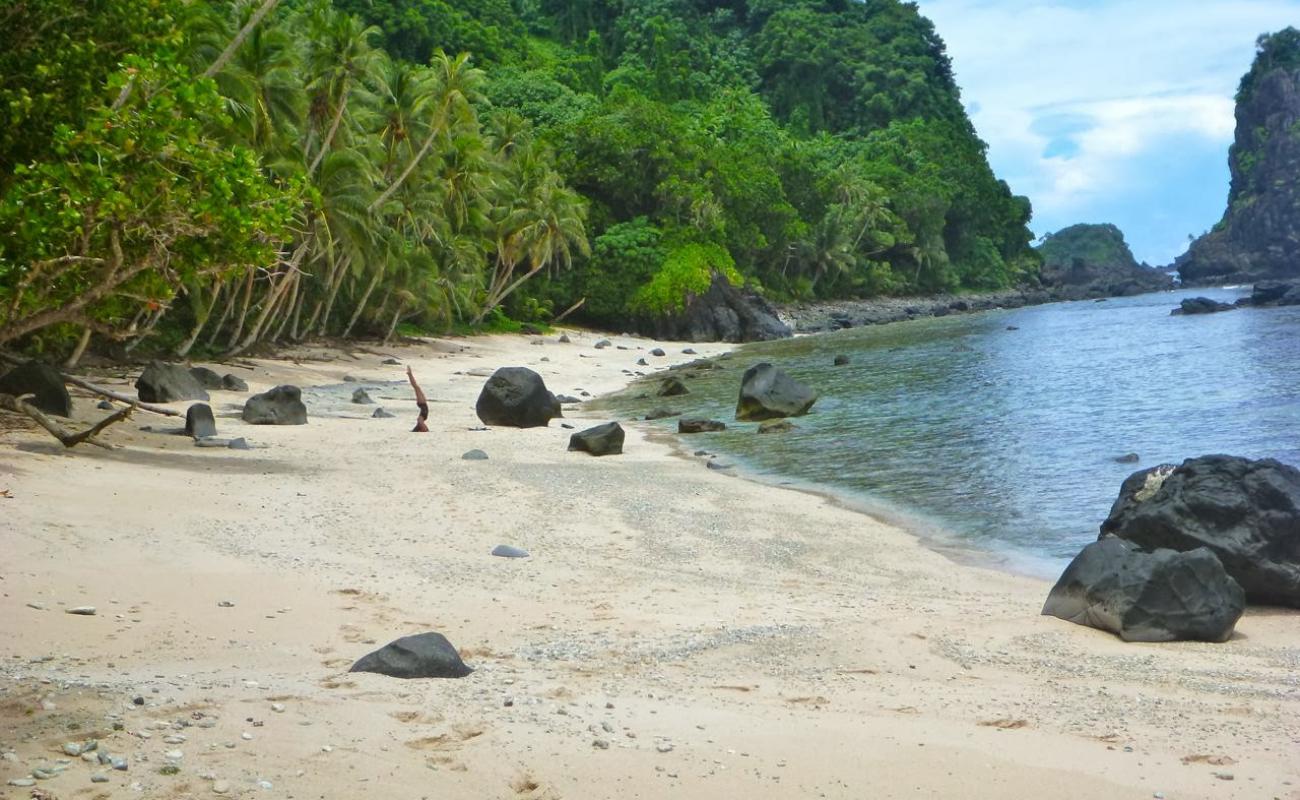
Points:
(1004, 440)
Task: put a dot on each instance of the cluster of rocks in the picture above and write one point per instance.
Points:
(1185, 548)
(1265, 294)
(841, 314)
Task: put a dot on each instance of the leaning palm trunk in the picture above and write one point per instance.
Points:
(273, 299)
(365, 298)
(289, 308)
(243, 310)
(79, 350)
(201, 316)
(334, 129)
(238, 41)
(336, 283)
(497, 295)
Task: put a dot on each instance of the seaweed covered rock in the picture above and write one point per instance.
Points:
(1160, 596)
(766, 392)
(1246, 512)
(425, 655)
(516, 397)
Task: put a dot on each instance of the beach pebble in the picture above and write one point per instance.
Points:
(380, 413)
(99, 777)
(225, 604)
(173, 755)
(390, 362)
(507, 551)
(277, 708)
(37, 606)
(474, 455)
(72, 749)
(600, 744)
(658, 351)
(118, 763)
(1225, 776)
(22, 782)
(361, 397)
(239, 444)
(83, 611)
(265, 785)
(664, 747)
(246, 736)
(221, 787)
(104, 405)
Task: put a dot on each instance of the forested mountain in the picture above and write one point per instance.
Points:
(212, 174)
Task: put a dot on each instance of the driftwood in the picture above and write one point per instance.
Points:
(121, 398)
(570, 310)
(65, 436)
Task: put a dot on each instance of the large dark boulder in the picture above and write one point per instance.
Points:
(280, 406)
(1247, 512)
(516, 397)
(425, 655)
(207, 378)
(167, 383)
(602, 440)
(1201, 305)
(1161, 596)
(767, 393)
(42, 381)
(722, 313)
(199, 421)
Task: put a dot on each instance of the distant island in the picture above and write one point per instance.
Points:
(1095, 261)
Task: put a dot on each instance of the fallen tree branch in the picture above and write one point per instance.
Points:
(66, 437)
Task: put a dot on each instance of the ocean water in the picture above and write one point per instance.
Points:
(1003, 442)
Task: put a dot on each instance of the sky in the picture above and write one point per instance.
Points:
(1115, 111)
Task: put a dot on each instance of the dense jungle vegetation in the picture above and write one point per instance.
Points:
(194, 176)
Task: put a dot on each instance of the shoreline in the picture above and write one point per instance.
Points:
(676, 632)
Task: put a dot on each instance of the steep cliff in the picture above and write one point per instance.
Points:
(1259, 235)
(1095, 261)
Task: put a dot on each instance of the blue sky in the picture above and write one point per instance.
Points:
(1109, 110)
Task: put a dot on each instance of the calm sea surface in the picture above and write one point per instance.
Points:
(1004, 440)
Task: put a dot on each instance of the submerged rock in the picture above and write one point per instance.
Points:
(1160, 596)
(1246, 512)
(775, 426)
(280, 406)
(602, 440)
(42, 381)
(425, 655)
(661, 413)
(767, 393)
(516, 397)
(700, 425)
(672, 387)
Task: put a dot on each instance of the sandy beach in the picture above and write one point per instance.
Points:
(677, 632)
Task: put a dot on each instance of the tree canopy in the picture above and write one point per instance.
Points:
(215, 174)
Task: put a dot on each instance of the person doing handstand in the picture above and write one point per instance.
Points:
(420, 401)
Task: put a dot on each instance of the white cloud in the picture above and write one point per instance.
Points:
(1074, 96)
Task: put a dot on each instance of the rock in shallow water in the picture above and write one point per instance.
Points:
(766, 392)
(425, 655)
(1162, 596)
(700, 425)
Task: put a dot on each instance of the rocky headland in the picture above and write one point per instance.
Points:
(1259, 235)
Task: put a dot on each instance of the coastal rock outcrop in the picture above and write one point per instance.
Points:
(280, 406)
(1090, 261)
(766, 392)
(425, 655)
(1246, 512)
(1160, 596)
(602, 440)
(42, 381)
(1259, 234)
(167, 383)
(723, 313)
(1201, 305)
(516, 397)
(1273, 293)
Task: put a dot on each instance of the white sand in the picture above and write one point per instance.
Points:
(725, 639)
